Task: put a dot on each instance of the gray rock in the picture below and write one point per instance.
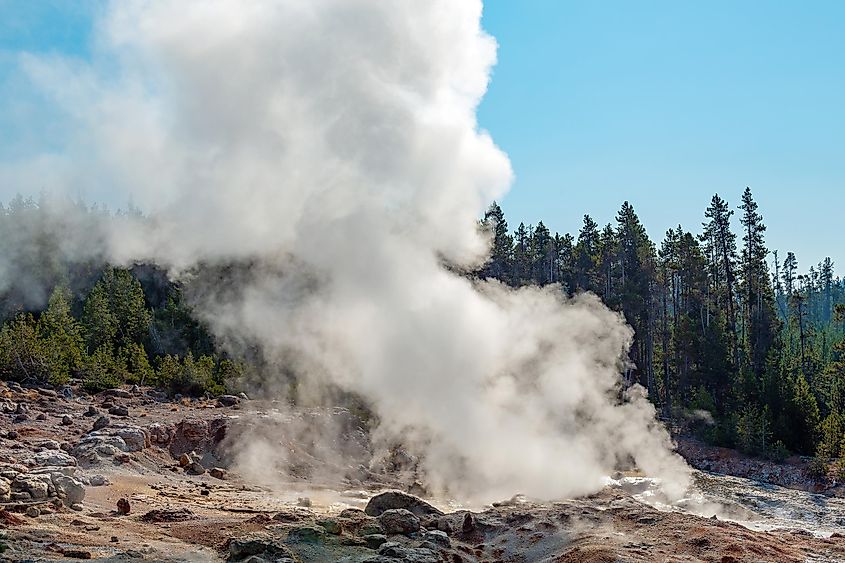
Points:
(399, 521)
(136, 438)
(397, 499)
(408, 554)
(37, 486)
(438, 537)
(33, 512)
(306, 534)
(228, 400)
(101, 422)
(54, 457)
(258, 544)
(98, 481)
(118, 410)
(195, 468)
(49, 445)
(119, 393)
(67, 420)
(331, 526)
(69, 489)
(5, 490)
(374, 541)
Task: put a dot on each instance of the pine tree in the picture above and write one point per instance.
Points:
(62, 337)
(499, 265)
(720, 248)
(586, 255)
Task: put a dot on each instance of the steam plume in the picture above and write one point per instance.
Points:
(335, 144)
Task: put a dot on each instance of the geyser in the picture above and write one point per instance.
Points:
(334, 145)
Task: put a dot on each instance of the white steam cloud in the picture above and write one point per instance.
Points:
(334, 143)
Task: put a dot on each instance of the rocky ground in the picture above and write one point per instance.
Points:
(792, 473)
(132, 475)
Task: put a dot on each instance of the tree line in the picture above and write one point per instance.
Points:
(101, 325)
(729, 339)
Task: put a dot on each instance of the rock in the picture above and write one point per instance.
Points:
(101, 423)
(67, 392)
(468, 525)
(23, 417)
(397, 499)
(168, 515)
(8, 406)
(69, 489)
(122, 457)
(228, 400)
(123, 506)
(98, 481)
(42, 416)
(49, 445)
(76, 507)
(136, 438)
(92, 411)
(160, 434)
(331, 526)
(408, 554)
(54, 457)
(36, 486)
(243, 396)
(218, 473)
(374, 541)
(12, 434)
(185, 460)
(77, 553)
(33, 512)
(438, 537)
(306, 534)
(399, 521)
(369, 526)
(352, 513)
(119, 393)
(67, 420)
(22, 409)
(5, 490)
(304, 502)
(195, 468)
(259, 544)
(118, 410)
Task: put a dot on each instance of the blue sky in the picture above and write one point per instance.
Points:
(662, 103)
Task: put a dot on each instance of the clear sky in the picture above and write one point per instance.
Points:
(664, 103)
(659, 102)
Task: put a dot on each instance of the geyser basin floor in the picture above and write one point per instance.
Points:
(176, 516)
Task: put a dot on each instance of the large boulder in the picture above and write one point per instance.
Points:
(390, 500)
